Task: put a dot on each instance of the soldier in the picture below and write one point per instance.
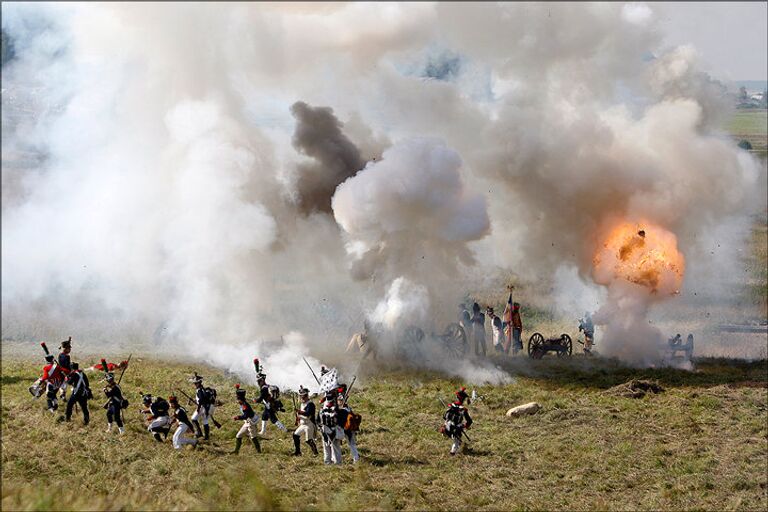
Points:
(586, 325)
(53, 378)
(349, 421)
(81, 393)
(465, 319)
(157, 411)
(478, 329)
(180, 415)
(496, 330)
(305, 417)
(249, 422)
(517, 328)
(205, 399)
(364, 342)
(457, 419)
(65, 364)
(269, 397)
(114, 405)
(330, 429)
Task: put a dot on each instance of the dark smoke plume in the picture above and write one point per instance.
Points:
(318, 135)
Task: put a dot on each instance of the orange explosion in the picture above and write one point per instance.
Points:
(641, 253)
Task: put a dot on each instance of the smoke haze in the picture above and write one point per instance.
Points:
(218, 178)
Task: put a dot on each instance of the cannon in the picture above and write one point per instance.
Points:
(453, 340)
(538, 346)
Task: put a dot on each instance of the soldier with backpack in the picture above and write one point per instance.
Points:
(115, 403)
(350, 423)
(157, 411)
(81, 393)
(269, 397)
(456, 421)
(205, 399)
(53, 378)
(331, 431)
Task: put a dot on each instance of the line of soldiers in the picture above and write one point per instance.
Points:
(334, 420)
(506, 333)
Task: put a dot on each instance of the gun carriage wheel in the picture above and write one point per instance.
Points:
(535, 345)
(567, 344)
(455, 340)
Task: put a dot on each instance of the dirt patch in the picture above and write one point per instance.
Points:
(749, 384)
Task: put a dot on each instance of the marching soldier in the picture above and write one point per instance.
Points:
(81, 393)
(457, 420)
(330, 429)
(180, 415)
(114, 405)
(349, 421)
(269, 398)
(306, 420)
(64, 361)
(205, 399)
(249, 422)
(53, 378)
(157, 411)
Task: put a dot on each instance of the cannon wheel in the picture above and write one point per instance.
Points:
(455, 340)
(535, 344)
(565, 341)
(412, 335)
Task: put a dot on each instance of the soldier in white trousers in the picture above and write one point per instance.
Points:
(180, 415)
(331, 431)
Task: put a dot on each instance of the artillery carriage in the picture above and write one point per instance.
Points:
(453, 340)
(538, 346)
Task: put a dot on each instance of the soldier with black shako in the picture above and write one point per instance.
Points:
(53, 378)
(205, 399)
(180, 415)
(350, 424)
(157, 411)
(65, 363)
(249, 422)
(115, 403)
(81, 393)
(306, 421)
(331, 431)
(457, 420)
(269, 397)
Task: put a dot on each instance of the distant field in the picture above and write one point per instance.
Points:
(751, 125)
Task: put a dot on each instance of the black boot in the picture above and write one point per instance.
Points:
(198, 432)
(312, 445)
(296, 444)
(207, 430)
(157, 437)
(165, 432)
(238, 444)
(256, 444)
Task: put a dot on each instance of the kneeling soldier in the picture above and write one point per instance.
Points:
(180, 415)
(157, 415)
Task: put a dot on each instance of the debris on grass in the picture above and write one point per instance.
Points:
(636, 388)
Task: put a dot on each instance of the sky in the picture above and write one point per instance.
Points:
(731, 37)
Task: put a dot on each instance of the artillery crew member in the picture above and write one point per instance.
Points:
(114, 405)
(586, 325)
(496, 330)
(330, 429)
(306, 421)
(350, 423)
(269, 398)
(157, 411)
(205, 399)
(53, 378)
(478, 329)
(180, 415)
(81, 393)
(249, 422)
(457, 419)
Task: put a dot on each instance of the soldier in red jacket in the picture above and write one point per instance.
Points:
(53, 378)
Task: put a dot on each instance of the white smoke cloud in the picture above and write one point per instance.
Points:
(147, 163)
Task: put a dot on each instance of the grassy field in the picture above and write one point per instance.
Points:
(701, 444)
(751, 125)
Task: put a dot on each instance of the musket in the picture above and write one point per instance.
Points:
(295, 408)
(193, 402)
(462, 430)
(349, 390)
(126, 367)
(310, 369)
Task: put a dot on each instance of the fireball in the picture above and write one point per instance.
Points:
(641, 253)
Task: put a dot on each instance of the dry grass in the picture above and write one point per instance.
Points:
(702, 444)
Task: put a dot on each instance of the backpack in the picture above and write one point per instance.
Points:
(210, 395)
(353, 422)
(274, 392)
(454, 415)
(328, 418)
